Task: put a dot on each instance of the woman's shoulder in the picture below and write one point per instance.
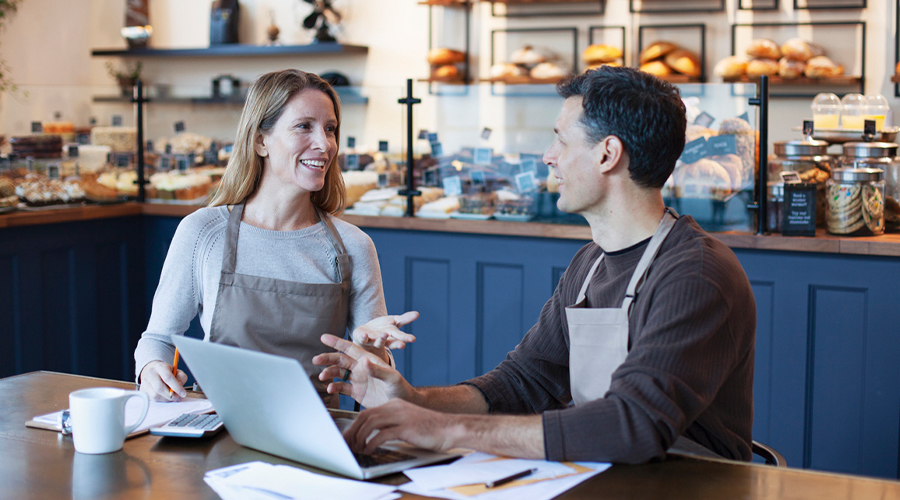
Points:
(203, 222)
(354, 238)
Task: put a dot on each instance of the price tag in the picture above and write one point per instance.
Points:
(526, 182)
(432, 137)
(73, 150)
(720, 145)
(149, 146)
(116, 120)
(694, 150)
(486, 133)
(183, 162)
(352, 162)
(704, 119)
(437, 150)
(53, 171)
(122, 160)
(477, 177)
(483, 156)
(529, 166)
(165, 163)
(808, 127)
(37, 127)
(383, 146)
(452, 185)
(382, 180)
(869, 127)
(168, 149)
(423, 134)
(799, 212)
(430, 177)
(351, 142)
(179, 126)
(745, 117)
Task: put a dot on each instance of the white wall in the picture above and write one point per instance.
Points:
(47, 45)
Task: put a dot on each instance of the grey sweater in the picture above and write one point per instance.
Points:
(689, 368)
(189, 282)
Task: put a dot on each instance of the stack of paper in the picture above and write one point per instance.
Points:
(262, 481)
(466, 478)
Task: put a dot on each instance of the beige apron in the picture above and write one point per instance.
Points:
(279, 316)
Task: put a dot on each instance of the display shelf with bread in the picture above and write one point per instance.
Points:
(800, 59)
(672, 53)
(674, 6)
(545, 8)
(757, 5)
(606, 47)
(448, 65)
(522, 56)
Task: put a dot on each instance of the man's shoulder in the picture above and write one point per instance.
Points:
(691, 251)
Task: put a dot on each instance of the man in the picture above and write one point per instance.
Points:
(653, 343)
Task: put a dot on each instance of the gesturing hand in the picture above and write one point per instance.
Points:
(372, 382)
(385, 332)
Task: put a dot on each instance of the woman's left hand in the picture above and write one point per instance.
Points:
(385, 332)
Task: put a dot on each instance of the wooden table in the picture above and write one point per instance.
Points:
(43, 464)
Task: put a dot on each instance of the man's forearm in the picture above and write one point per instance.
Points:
(450, 399)
(506, 435)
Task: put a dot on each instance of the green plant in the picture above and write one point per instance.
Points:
(127, 73)
(6, 7)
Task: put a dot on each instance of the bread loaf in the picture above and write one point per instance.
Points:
(758, 67)
(599, 53)
(731, 67)
(684, 62)
(764, 48)
(443, 56)
(656, 50)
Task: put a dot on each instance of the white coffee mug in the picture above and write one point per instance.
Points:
(98, 418)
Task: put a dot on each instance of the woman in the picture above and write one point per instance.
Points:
(266, 265)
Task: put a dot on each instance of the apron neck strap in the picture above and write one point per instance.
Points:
(331, 231)
(637, 279)
(231, 238)
(587, 281)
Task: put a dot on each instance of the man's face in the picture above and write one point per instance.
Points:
(575, 161)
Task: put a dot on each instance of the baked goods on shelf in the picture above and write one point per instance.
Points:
(529, 65)
(656, 68)
(759, 67)
(94, 191)
(790, 68)
(445, 64)
(357, 183)
(791, 62)
(38, 191)
(597, 55)
(187, 186)
(119, 139)
(122, 180)
(507, 70)
(37, 146)
(667, 60)
(731, 66)
(477, 203)
(656, 50)
(528, 56)
(8, 196)
(704, 178)
(548, 71)
(823, 67)
(763, 48)
(798, 49)
(684, 62)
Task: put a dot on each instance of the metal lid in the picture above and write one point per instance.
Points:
(801, 148)
(870, 149)
(858, 174)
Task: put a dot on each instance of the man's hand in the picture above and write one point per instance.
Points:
(385, 332)
(372, 381)
(157, 379)
(402, 420)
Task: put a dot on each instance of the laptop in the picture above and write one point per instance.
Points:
(268, 403)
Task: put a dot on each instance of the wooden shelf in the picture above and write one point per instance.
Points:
(523, 80)
(446, 81)
(777, 80)
(446, 3)
(237, 50)
(347, 97)
(539, 1)
(675, 78)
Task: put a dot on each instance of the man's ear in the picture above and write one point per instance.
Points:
(610, 152)
(259, 145)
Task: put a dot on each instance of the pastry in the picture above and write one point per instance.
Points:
(599, 53)
(37, 146)
(507, 70)
(442, 56)
(763, 48)
(447, 72)
(759, 67)
(528, 57)
(95, 191)
(798, 49)
(656, 68)
(656, 50)
(823, 67)
(548, 71)
(704, 178)
(9, 201)
(440, 207)
(357, 183)
(617, 64)
(684, 62)
(7, 188)
(119, 139)
(790, 68)
(744, 144)
(731, 67)
(735, 168)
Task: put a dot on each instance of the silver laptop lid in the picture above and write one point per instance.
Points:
(268, 403)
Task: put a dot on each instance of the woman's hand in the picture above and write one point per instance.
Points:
(157, 381)
(385, 332)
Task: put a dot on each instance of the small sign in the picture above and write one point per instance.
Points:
(430, 177)
(351, 142)
(483, 156)
(437, 150)
(84, 139)
(122, 160)
(869, 127)
(383, 146)
(53, 171)
(694, 150)
(529, 166)
(73, 150)
(477, 177)
(745, 117)
(179, 126)
(210, 158)
(452, 185)
(432, 137)
(808, 127)
(383, 180)
(37, 127)
(165, 163)
(29, 164)
(352, 162)
(149, 146)
(789, 177)
(182, 162)
(526, 182)
(423, 134)
(486, 133)
(799, 212)
(704, 119)
(116, 120)
(168, 149)
(92, 122)
(720, 145)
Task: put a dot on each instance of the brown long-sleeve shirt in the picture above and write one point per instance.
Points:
(689, 369)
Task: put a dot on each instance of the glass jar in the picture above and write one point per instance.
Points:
(877, 108)
(774, 205)
(853, 111)
(868, 155)
(826, 110)
(856, 202)
(810, 159)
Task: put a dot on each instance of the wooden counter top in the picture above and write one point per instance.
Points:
(886, 245)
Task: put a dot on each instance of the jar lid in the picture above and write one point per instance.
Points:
(870, 149)
(801, 148)
(857, 174)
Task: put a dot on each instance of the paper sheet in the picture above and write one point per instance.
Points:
(444, 476)
(259, 480)
(159, 413)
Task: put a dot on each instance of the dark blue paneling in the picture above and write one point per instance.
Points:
(500, 300)
(763, 292)
(428, 291)
(9, 292)
(557, 275)
(57, 299)
(836, 355)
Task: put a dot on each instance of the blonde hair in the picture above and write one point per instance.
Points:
(266, 100)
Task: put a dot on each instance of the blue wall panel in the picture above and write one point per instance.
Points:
(499, 311)
(428, 291)
(9, 316)
(763, 292)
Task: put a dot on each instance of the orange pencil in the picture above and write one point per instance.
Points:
(174, 367)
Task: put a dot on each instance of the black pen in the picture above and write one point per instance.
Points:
(509, 479)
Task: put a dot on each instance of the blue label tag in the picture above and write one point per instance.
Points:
(179, 126)
(483, 156)
(477, 177)
(525, 182)
(351, 142)
(352, 162)
(436, 149)
(383, 146)
(452, 185)
(529, 166)
(37, 127)
(423, 134)
(694, 150)
(432, 137)
(486, 133)
(745, 117)
(116, 120)
(704, 119)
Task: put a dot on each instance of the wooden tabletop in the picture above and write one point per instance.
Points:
(885, 245)
(38, 463)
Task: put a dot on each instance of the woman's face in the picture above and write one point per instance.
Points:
(302, 143)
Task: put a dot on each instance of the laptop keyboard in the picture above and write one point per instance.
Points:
(381, 457)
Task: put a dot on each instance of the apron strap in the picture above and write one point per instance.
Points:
(637, 279)
(342, 259)
(587, 281)
(229, 257)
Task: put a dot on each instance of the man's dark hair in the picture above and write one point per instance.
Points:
(644, 112)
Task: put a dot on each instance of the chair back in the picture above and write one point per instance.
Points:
(769, 454)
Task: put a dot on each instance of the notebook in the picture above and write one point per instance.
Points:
(268, 403)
